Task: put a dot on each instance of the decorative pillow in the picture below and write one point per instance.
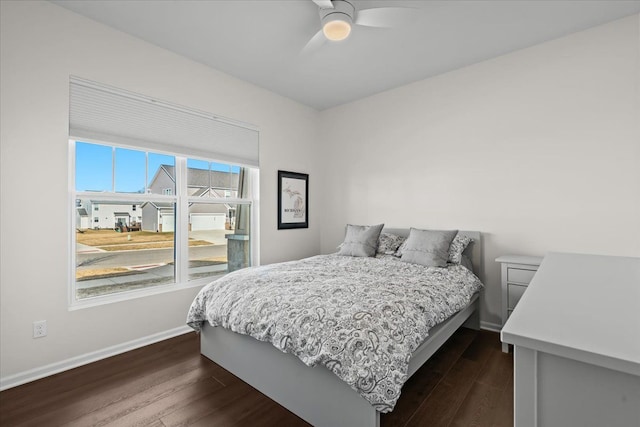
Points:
(361, 240)
(428, 247)
(458, 245)
(388, 243)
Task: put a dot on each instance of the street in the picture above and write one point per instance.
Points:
(144, 257)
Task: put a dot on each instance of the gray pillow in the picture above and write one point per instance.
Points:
(361, 240)
(428, 247)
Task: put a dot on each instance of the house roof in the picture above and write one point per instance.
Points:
(114, 202)
(200, 178)
(159, 205)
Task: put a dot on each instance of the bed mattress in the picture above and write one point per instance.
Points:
(360, 317)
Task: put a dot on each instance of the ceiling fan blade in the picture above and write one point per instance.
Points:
(385, 17)
(314, 44)
(323, 4)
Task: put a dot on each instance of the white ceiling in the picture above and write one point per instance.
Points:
(260, 40)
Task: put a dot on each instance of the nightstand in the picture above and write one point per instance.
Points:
(517, 272)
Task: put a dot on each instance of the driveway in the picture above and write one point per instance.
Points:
(214, 236)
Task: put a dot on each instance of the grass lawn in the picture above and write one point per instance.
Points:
(111, 240)
(106, 272)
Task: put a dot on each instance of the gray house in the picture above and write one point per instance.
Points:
(101, 214)
(209, 185)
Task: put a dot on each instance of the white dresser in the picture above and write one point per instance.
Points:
(517, 272)
(576, 337)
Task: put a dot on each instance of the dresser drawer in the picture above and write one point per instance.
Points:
(514, 293)
(520, 275)
(517, 271)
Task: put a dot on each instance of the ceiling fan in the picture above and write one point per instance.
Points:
(338, 16)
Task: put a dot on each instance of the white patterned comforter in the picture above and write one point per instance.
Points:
(360, 317)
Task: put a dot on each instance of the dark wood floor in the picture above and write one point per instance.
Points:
(468, 382)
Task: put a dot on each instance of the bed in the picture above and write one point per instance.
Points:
(316, 393)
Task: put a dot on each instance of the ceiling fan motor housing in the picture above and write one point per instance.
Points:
(342, 11)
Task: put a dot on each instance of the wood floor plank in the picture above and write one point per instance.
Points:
(109, 377)
(478, 407)
(125, 396)
(167, 404)
(450, 352)
(182, 344)
(498, 369)
(418, 387)
(220, 400)
(482, 347)
(249, 411)
(413, 394)
(442, 403)
(503, 414)
(153, 423)
(134, 402)
(170, 384)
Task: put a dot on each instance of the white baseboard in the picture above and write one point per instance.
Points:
(55, 368)
(493, 327)
(64, 365)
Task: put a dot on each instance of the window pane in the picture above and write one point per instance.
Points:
(212, 180)
(220, 180)
(198, 183)
(161, 174)
(235, 179)
(130, 171)
(115, 251)
(94, 167)
(218, 238)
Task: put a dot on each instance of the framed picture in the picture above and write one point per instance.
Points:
(293, 200)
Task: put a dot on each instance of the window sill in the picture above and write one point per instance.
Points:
(141, 293)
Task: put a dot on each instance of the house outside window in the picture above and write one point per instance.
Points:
(159, 231)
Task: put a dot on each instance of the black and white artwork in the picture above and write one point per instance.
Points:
(293, 200)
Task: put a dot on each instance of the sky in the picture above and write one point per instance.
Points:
(96, 164)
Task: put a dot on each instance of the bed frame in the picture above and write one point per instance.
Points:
(315, 394)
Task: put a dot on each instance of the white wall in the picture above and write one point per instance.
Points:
(42, 44)
(538, 149)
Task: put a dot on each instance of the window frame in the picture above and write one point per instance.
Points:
(181, 236)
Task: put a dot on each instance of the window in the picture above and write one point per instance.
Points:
(148, 235)
(162, 205)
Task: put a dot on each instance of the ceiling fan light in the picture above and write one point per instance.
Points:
(337, 21)
(336, 30)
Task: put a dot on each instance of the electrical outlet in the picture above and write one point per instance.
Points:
(40, 329)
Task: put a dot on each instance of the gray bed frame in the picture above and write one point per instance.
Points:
(315, 394)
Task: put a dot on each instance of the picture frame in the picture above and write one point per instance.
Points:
(293, 200)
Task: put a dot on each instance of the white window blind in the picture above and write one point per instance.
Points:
(103, 113)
